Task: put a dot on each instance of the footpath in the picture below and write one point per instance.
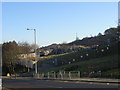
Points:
(97, 80)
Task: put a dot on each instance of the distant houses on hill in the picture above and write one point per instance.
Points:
(110, 36)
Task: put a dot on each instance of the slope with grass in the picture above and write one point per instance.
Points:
(101, 59)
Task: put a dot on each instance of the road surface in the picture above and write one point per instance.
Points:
(33, 83)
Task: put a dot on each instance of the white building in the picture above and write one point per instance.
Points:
(27, 60)
(24, 56)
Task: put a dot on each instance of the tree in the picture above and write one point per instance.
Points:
(33, 46)
(99, 34)
(10, 51)
(24, 47)
(110, 31)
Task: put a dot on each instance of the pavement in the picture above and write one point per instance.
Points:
(97, 80)
(100, 80)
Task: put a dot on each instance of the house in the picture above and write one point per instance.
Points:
(27, 60)
(24, 56)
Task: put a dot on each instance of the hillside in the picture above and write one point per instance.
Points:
(103, 59)
(109, 70)
(109, 37)
(91, 56)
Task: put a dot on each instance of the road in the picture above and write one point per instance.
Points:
(33, 83)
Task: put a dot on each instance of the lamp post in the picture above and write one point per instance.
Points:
(34, 48)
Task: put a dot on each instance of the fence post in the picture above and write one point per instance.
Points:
(64, 74)
(79, 74)
(48, 75)
(38, 75)
(61, 75)
(33, 75)
(42, 75)
(54, 75)
(70, 75)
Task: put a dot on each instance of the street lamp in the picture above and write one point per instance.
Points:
(34, 48)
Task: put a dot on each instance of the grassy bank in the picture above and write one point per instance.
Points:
(107, 66)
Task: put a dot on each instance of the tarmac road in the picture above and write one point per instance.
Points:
(33, 83)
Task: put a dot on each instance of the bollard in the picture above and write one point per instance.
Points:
(8, 74)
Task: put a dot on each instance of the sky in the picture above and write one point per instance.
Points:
(56, 22)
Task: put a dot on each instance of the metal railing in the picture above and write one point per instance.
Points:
(58, 75)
